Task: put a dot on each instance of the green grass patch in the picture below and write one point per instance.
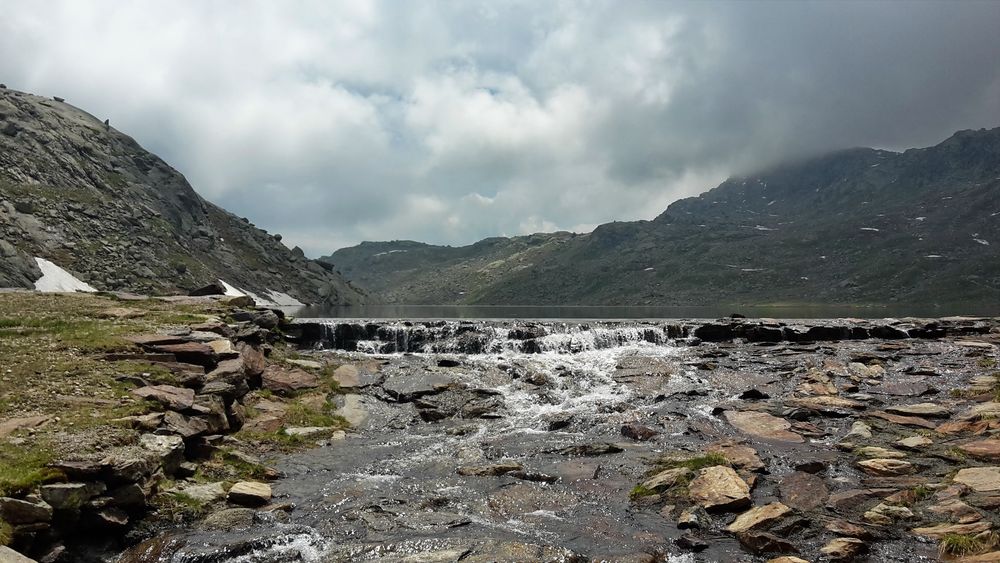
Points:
(693, 463)
(921, 492)
(639, 491)
(180, 506)
(6, 532)
(961, 545)
(23, 469)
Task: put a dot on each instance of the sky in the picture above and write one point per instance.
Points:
(333, 122)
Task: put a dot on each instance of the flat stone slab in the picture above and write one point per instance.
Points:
(250, 493)
(988, 450)
(926, 410)
(980, 479)
(719, 489)
(759, 518)
(405, 388)
(763, 425)
(174, 398)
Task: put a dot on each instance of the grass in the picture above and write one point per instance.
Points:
(921, 492)
(180, 506)
(6, 532)
(639, 491)
(963, 544)
(23, 469)
(693, 463)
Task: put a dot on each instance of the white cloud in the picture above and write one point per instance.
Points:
(334, 122)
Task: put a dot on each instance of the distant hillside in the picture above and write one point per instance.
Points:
(854, 226)
(91, 200)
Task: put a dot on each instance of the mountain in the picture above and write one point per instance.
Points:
(86, 197)
(854, 226)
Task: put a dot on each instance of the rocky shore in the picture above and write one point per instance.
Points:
(727, 440)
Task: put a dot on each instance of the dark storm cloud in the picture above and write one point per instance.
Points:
(450, 121)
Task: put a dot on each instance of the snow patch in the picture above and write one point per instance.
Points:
(56, 280)
(276, 299)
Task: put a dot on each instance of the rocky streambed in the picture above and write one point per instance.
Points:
(743, 441)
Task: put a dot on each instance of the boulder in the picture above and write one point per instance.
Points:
(666, 479)
(762, 425)
(214, 288)
(719, 489)
(759, 518)
(174, 398)
(287, 381)
(16, 511)
(266, 319)
(886, 514)
(169, 450)
(229, 519)
(184, 426)
(253, 360)
(980, 479)
(207, 492)
(843, 549)
(250, 493)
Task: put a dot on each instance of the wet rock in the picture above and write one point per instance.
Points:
(175, 398)
(352, 408)
(979, 479)
(287, 381)
(803, 491)
(406, 388)
(812, 466)
(762, 425)
(169, 450)
(885, 467)
(692, 519)
(591, 449)
(986, 450)
(690, 542)
(666, 479)
(638, 432)
(559, 422)
(70, 496)
(229, 519)
(759, 518)
(494, 470)
(764, 542)
(941, 530)
(448, 363)
(925, 410)
(16, 511)
(843, 549)
(523, 498)
(250, 493)
(719, 489)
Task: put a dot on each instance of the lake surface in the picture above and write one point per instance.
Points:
(424, 312)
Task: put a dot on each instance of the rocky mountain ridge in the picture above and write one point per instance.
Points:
(853, 226)
(77, 192)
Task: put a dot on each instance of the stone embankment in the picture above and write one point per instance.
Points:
(203, 383)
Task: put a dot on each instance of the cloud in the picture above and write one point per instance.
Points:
(336, 122)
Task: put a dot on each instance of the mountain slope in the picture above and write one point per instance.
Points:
(854, 226)
(90, 199)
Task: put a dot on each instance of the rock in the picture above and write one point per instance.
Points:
(223, 347)
(184, 426)
(719, 489)
(169, 450)
(914, 443)
(926, 410)
(16, 511)
(762, 425)
(287, 381)
(229, 519)
(523, 498)
(494, 470)
(206, 493)
(352, 408)
(875, 451)
(11, 425)
(980, 479)
(191, 353)
(174, 398)
(250, 493)
(941, 530)
(843, 549)
(787, 559)
(765, 543)
(347, 377)
(827, 405)
(591, 449)
(129, 496)
(803, 491)
(266, 319)
(859, 430)
(666, 479)
(886, 514)
(759, 518)
(8, 555)
(214, 288)
(904, 420)
(306, 431)
(986, 450)
(740, 456)
(690, 542)
(254, 361)
(70, 496)
(692, 519)
(884, 467)
(849, 529)
(956, 511)
(406, 388)
(638, 432)
(304, 364)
